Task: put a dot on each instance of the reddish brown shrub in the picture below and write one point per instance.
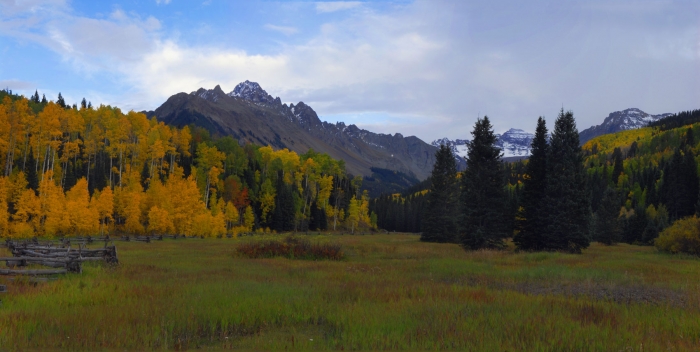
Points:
(292, 248)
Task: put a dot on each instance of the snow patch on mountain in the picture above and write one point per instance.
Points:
(617, 121)
(513, 143)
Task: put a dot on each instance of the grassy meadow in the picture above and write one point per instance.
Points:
(390, 292)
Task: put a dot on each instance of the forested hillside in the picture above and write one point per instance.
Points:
(82, 170)
(638, 182)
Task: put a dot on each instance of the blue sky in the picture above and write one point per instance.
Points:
(425, 68)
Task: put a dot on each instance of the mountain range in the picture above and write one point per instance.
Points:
(250, 114)
(515, 143)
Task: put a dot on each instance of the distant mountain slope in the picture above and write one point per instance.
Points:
(249, 114)
(514, 143)
(628, 119)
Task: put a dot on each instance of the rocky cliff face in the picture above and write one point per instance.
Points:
(250, 114)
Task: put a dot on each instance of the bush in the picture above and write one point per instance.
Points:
(681, 237)
(292, 248)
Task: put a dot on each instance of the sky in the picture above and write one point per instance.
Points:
(424, 68)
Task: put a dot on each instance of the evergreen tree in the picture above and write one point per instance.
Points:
(60, 101)
(530, 223)
(607, 226)
(30, 171)
(145, 175)
(483, 194)
(440, 221)
(679, 190)
(43, 99)
(83, 104)
(617, 165)
(35, 97)
(566, 208)
(283, 214)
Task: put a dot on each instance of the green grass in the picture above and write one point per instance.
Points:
(390, 292)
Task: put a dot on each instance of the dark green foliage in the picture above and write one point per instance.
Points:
(43, 99)
(441, 211)
(60, 101)
(83, 104)
(633, 226)
(566, 208)
(607, 226)
(387, 181)
(35, 97)
(530, 224)
(30, 171)
(617, 165)
(680, 185)
(317, 219)
(483, 196)
(283, 214)
(145, 176)
(677, 120)
(399, 213)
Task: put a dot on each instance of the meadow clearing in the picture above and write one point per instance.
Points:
(390, 292)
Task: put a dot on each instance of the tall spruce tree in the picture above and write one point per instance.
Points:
(440, 221)
(530, 223)
(607, 225)
(483, 192)
(566, 208)
(283, 214)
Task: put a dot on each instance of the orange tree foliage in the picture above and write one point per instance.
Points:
(88, 171)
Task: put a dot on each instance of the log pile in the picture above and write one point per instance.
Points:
(64, 258)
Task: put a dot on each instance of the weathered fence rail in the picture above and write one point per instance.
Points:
(55, 255)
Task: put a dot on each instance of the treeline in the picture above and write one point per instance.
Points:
(624, 187)
(84, 170)
(683, 118)
(549, 209)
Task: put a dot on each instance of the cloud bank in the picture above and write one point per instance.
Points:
(429, 67)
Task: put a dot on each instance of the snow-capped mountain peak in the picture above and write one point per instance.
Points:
(513, 143)
(627, 119)
(252, 91)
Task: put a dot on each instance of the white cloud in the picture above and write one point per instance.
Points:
(431, 66)
(16, 84)
(282, 29)
(333, 6)
(165, 2)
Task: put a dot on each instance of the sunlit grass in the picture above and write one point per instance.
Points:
(390, 292)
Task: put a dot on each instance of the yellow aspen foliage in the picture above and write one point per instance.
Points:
(232, 216)
(103, 203)
(4, 214)
(159, 221)
(83, 218)
(325, 184)
(248, 218)
(132, 212)
(353, 214)
(202, 224)
(267, 198)
(188, 202)
(218, 224)
(53, 208)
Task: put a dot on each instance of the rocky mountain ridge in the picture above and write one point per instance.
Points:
(627, 119)
(515, 143)
(248, 113)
